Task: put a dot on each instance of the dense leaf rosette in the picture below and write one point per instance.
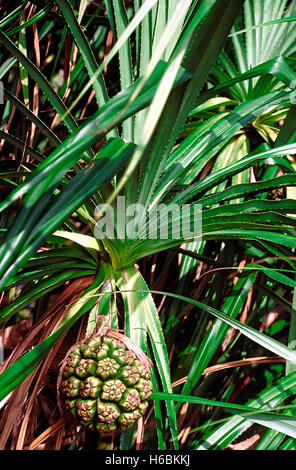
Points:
(104, 385)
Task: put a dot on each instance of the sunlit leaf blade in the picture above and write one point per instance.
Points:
(157, 341)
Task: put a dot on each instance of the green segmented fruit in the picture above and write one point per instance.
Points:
(104, 385)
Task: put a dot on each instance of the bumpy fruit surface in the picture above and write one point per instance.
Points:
(104, 385)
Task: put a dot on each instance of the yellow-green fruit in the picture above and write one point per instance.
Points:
(104, 385)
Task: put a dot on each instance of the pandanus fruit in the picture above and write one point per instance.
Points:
(104, 382)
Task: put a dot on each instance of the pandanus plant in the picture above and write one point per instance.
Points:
(134, 148)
